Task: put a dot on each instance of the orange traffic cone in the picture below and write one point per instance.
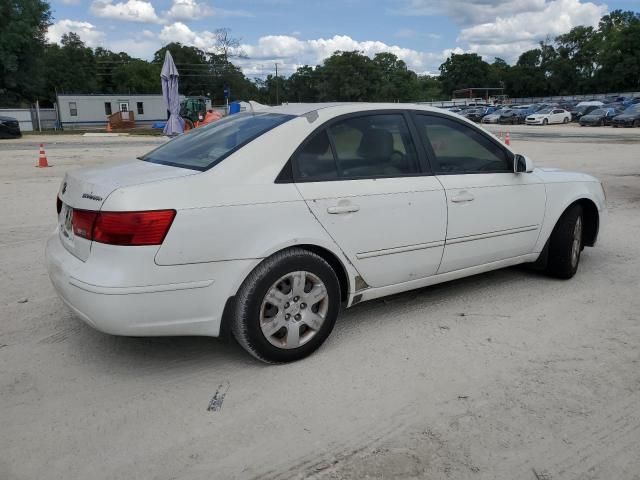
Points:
(42, 161)
(507, 140)
(109, 130)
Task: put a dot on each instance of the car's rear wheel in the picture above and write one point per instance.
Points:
(287, 307)
(545, 121)
(566, 120)
(565, 244)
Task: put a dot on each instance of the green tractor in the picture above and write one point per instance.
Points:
(193, 110)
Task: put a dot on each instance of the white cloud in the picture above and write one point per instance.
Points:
(130, 11)
(291, 52)
(136, 48)
(179, 32)
(85, 30)
(185, 10)
(71, 2)
(470, 12)
(509, 36)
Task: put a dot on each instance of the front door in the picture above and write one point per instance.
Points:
(494, 214)
(363, 179)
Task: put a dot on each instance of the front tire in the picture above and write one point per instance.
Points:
(565, 244)
(287, 307)
(545, 122)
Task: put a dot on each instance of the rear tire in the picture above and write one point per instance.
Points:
(545, 121)
(565, 244)
(287, 307)
(566, 120)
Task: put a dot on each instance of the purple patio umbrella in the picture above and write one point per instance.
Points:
(169, 77)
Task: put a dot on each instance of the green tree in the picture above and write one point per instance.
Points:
(70, 67)
(348, 76)
(464, 70)
(395, 81)
(23, 25)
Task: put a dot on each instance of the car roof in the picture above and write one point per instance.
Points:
(301, 109)
(7, 118)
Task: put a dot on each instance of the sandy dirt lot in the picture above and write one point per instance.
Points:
(506, 375)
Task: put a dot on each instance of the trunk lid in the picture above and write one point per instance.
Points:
(88, 188)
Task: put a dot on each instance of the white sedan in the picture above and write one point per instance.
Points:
(267, 223)
(547, 116)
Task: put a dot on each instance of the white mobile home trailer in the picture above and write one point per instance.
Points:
(85, 111)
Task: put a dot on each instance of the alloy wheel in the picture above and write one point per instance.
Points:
(294, 309)
(576, 244)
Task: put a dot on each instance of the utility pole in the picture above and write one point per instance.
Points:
(277, 97)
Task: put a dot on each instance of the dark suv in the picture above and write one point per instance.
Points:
(9, 128)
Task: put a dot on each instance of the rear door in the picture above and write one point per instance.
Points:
(364, 179)
(493, 213)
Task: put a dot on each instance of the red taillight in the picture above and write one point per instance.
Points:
(133, 228)
(58, 205)
(123, 228)
(83, 221)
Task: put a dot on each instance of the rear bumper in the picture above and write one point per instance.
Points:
(188, 306)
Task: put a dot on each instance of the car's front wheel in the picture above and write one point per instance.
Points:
(287, 307)
(565, 244)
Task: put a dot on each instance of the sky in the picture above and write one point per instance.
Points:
(293, 33)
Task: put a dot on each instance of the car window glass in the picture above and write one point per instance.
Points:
(374, 146)
(203, 147)
(459, 148)
(315, 160)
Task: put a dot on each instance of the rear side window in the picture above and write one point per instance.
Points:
(315, 159)
(370, 146)
(202, 148)
(460, 149)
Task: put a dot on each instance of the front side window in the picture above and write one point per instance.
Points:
(370, 146)
(203, 147)
(460, 149)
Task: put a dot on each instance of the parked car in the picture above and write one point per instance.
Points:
(495, 116)
(549, 115)
(515, 115)
(629, 118)
(599, 117)
(267, 223)
(478, 114)
(9, 128)
(582, 110)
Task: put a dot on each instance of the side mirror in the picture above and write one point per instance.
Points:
(522, 164)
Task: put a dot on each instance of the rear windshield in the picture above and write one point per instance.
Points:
(202, 148)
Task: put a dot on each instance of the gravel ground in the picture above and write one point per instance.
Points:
(506, 375)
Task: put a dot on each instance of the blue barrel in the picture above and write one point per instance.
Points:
(234, 107)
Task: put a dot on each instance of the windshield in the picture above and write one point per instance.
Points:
(202, 148)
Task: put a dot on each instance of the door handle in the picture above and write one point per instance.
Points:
(338, 209)
(462, 197)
